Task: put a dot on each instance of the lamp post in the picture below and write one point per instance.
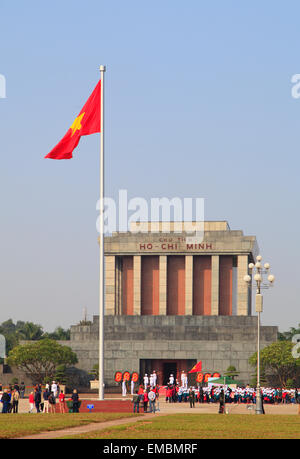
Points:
(258, 271)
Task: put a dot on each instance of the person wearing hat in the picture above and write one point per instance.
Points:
(154, 378)
(146, 381)
(151, 380)
(183, 379)
(124, 388)
(54, 388)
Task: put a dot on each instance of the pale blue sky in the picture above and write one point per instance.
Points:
(198, 104)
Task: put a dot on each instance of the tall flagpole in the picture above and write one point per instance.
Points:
(101, 243)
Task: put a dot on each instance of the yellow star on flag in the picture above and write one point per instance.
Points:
(76, 126)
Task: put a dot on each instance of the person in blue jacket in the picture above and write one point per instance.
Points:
(6, 401)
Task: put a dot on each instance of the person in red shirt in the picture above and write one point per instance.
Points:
(284, 396)
(169, 395)
(145, 400)
(31, 402)
(61, 399)
(141, 390)
(174, 394)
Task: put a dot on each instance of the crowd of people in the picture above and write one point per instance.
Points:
(211, 394)
(144, 397)
(40, 399)
(179, 392)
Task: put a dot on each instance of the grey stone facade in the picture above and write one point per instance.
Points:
(218, 341)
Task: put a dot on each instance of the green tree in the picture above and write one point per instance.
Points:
(231, 372)
(8, 327)
(263, 378)
(60, 374)
(19, 331)
(8, 330)
(278, 362)
(29, 331)
(40, 359)
(95, 371)
(59, 334)
(290, 383)
(288, 335)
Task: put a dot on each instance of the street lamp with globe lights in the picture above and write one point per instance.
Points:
(258, 272)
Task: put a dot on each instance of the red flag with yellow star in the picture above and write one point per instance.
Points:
(86, 123)
(196, 368)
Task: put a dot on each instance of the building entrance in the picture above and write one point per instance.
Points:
(164, 368)
(169, 368)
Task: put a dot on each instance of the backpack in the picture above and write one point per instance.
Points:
(151, 396)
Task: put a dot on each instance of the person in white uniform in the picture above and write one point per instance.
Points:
(54, 388)
(151, 380)
(132, 387)
(124, 388)
(146, 381)
(154, 378)
(183, 379)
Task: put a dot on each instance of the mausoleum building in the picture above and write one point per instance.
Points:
(174, 297)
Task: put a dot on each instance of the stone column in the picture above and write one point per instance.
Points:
(110, 285)
(189, 285)
(163, 285)
(215, 263)
(242, 286)
(118, 297)
(137, 264)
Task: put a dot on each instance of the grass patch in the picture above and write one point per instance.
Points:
(20, 425)
(204, 426)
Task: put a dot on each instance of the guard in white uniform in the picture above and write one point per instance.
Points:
(184, 379)
(154, 378)
(132, 387)
(151, 380)
(146, 381)
(124, 388)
